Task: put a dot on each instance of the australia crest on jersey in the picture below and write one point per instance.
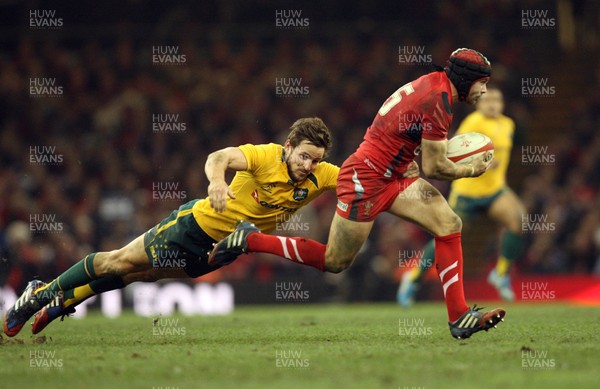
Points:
(300, 194)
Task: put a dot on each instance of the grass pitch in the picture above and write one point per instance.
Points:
(316, 346)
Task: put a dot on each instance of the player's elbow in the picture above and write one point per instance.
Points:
(215, 156)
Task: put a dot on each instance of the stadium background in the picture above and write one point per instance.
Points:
(102, 193)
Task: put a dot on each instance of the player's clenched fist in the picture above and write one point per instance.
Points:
(481, 164)
(218, 193)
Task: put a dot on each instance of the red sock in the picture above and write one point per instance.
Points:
(449, 265)
(300, 250)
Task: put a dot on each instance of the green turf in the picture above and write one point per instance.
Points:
(338, 346)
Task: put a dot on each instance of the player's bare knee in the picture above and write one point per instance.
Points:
(337, 264)
(102, 265)
(516, 226)
(450, 224)
(457, 223)
(335, 260)
(113, 263)
(336, 267)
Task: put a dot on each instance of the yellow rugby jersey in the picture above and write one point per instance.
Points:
(265, 193)
(500, 131)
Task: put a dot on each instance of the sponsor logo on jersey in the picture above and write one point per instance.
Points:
(272, 206)
(342, 205)
(277, 206)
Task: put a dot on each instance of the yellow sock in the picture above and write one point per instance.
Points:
(79, 294)
(415, 273)
(502, 266)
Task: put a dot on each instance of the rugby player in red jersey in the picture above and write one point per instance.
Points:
(414, 119)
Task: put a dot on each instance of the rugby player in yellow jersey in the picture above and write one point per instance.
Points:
(487, 193)
(271, 180)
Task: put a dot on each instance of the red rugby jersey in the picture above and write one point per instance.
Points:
(421, 109)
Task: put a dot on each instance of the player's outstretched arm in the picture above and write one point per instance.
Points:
(217, 163)
(436, 164)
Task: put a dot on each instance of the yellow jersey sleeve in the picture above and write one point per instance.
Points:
(259, 156)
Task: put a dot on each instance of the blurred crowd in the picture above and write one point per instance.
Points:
(568, 193)
(82, 165)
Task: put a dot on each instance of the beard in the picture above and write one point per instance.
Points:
(472, 99)
(296, 175)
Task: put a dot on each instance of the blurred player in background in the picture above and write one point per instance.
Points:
(271, 180)
(488, 193)
(414, 119)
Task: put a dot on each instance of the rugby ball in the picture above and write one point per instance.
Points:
(464, 148)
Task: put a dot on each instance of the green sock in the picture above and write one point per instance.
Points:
(425, 262)
(511, 246)
(77, 275)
